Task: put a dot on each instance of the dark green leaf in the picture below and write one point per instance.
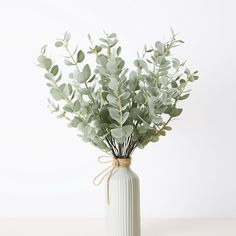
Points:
(54, 70)
(118, 51)
(167, 128)
(80, 56)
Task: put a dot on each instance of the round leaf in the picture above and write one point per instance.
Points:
(80, 56)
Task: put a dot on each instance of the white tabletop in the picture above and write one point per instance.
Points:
(91, 227)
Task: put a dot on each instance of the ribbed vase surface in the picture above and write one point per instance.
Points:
(123, 211)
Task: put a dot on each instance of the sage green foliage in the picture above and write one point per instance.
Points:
(116, 109)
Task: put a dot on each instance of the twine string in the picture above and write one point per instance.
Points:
(107, 172)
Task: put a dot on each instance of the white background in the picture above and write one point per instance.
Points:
(47, 171)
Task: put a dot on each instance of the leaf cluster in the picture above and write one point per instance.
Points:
(116, 109)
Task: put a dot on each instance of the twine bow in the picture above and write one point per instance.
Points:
(107, 172)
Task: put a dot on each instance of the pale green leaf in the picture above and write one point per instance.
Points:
(58, 44)
(56, 94)
(128, 130)
(68, 63)
(115, 115)
(67, 36)
(118, 133)
(125, 117)
(113, 83)
(67, 108)
(86, 72)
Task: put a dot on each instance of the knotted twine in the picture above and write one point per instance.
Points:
(116, 162)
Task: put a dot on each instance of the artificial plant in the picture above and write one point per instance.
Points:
(114, 108)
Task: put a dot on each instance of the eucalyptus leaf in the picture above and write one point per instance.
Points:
(67, 108)
(80, 56)
(125, 117)
(58, 44)
(113, 84)
(54, 70)
(118, 133)
(118, 51)
(68, 63)
(67, 36)
(115, 115)
(86, 72)
(56, 94)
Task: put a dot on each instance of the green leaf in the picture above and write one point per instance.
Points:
(139, 98)
(133, 75)
(128, 130)
(125, 117)
(91, 79)
(45, 62)
(125, 95)
(56, 94)
(68, 63)
(43, 50)
(167, 128)
(157, 120)
(162, 132)
(80, 77)
(184, 96)
(67, 36)
(141, 64)
(112, 43)
(54, 70)
(83, 76)
(80, 56)
(118, 51)
(101, 60)
(111, 99)
(113, 83)
(76, 105)
(67, 90)
(176, 63)
(50, 85)
(115, 115)
(174, 84)
(160, 47)
(58, 44)
(111, 66)
(176, 112)
(164, 80)
(103, 40)
(118, 133)
(113, 35)
(75, 122)
(142, 130)
(49, 76)
(68, 108)
(86, 72)
(98, 49)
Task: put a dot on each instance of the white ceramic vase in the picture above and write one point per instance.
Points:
(123, 210)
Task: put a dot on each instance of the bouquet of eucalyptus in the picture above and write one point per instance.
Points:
(114, 108)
